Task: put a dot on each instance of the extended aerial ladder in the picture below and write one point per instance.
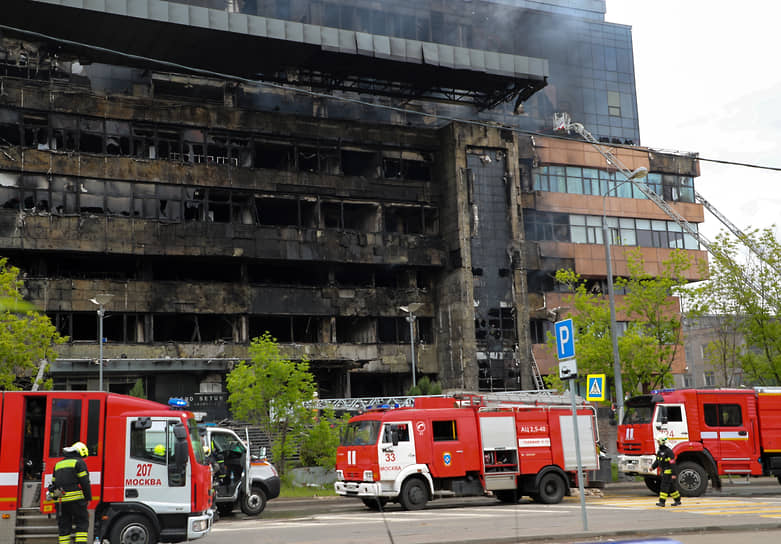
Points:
(562, 122)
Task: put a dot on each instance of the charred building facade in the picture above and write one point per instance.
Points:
(223, 168)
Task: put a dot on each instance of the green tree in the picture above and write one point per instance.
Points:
(271, 391)
(27, 338)
(744, 291)
(319, 443)
(138, 389)
(425, 386)
(648, 346)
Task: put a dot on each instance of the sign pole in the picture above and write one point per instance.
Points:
(577, 453)
(568, 370)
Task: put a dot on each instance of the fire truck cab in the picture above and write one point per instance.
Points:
(464, 446)
(712, 432)
(150, 480)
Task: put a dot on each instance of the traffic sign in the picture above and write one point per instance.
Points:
(596, 387)
(568, 369)
(565, 339)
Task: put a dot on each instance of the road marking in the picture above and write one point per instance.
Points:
(704, 506)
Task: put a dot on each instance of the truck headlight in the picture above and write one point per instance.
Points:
(368, 476)
(200, 525)
(340, 475)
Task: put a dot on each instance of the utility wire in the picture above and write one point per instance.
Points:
(347, 99)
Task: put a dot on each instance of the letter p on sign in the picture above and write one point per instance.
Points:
(565, 339)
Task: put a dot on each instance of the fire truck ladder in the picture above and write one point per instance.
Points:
(536, 374)
(496, 398)
(562, 122)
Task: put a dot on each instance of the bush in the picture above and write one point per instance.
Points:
(319, 443)
(425, 387)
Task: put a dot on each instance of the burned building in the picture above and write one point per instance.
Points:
(226, 168)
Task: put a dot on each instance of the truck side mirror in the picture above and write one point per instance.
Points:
(142, 423)
(180, 433)
(395, 437)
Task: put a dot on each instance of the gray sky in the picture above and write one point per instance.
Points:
(707, 82)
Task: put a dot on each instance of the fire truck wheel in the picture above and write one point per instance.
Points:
(375, 503)
(652, 483)
(551, 490)
(254, 503)
(133, 529)
(692, 479)
(508, 496)
(414, 494)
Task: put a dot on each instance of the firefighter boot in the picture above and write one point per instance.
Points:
(660, 503)
(677, 501)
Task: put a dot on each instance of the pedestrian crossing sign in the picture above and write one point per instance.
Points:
(596, 387)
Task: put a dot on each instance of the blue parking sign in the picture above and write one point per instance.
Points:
(565, 339)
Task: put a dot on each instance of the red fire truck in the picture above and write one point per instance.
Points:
(713, 432)
(140, 494)
(465, 445)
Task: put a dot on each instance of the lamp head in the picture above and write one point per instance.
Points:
(101, 299)
(411, 308)
(638, 173)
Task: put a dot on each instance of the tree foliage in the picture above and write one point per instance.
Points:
(319, 442)
(648, 346)
(425, 386)
(138, 389)
(746, 300)
(271, 391)
(27, 338)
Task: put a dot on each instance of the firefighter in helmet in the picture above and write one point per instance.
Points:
(665, 460)
(70, 484)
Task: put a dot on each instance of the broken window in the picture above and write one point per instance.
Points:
(356, 330)
(169, 202)
(218, 206)
(119, 199)
(91, 193)
(193, 204)
(277, 211)
(329, 161)
(308, 159)
(144, 201)
(243, 208)
(306, 329)
(193, 146)
(360, 217)
(278, 273)
(279, 327)
(64, 195)
(360, 163)
(168, 145)
(404, 219)
(117, 137)
(35, 196)
(144, 142)
(275, 156)
(409, 165)
(9, 190)
(431, 221)
(331, 213)
(353, 275)
(309, 213)
(65, 132)
(36, 130)
(10, 127)
(90, 135)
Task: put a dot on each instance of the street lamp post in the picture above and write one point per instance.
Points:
(638, 173)
(410, 310)
(100, 301)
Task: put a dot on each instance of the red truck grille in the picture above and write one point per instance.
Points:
(632, 447)
(353, 475)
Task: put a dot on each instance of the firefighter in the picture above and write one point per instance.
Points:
(70, 481)
(665, 460)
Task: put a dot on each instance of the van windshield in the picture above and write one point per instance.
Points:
(638, 414)
(361, 433)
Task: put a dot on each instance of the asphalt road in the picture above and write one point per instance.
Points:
(623, 511)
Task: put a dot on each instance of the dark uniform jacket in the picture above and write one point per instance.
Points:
(72, 477)
(665, 458)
